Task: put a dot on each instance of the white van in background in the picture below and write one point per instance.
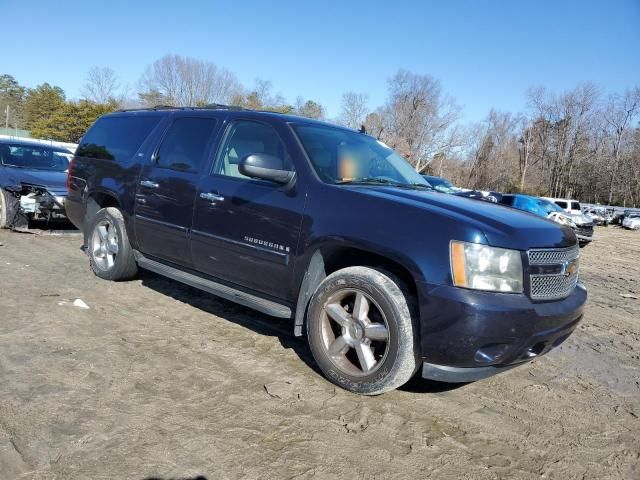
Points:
(570, 206)
(584, 224)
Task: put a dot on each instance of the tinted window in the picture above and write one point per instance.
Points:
(34, 157)
(507, 200)
(116, 138)
(562, 204)
(183, 147)
(245, 138)
(575, 206)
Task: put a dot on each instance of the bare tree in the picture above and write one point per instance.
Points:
(495, 154)
(418, 117)
(101, 85)
(526, 140)
(619, 113)
(354, 109)
(262, 98)
(184, 81)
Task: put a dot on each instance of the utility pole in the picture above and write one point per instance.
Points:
(6, 121)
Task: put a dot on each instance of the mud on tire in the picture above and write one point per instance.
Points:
(365, 348)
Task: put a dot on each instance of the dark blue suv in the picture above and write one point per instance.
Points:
(331, 228)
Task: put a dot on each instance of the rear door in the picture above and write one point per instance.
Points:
(245, 231)
(167, 188)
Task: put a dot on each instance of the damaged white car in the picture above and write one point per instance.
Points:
(32, 182)
(632, 221)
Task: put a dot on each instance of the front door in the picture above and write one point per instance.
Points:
(245, 231)
(166, 190)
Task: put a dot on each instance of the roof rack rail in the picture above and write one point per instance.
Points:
(156, 107)
(220, 106)
(210, 106)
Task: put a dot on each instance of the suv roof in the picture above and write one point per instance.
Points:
(239, 111)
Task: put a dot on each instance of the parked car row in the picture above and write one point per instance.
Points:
(386, 272)
(563, 211)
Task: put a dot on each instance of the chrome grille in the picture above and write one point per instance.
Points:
(553, 286)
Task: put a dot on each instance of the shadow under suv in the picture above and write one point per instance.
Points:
(331, 228)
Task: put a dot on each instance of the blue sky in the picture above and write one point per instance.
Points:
(485, 53)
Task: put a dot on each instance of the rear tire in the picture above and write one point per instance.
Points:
(110, 253)
(361, 331)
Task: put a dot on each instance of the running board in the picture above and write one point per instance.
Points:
(228, 293)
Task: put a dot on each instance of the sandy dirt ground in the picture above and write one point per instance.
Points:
(158, 380)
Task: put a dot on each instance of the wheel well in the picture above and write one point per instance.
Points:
(328, 260)
(336, 259)
(95, 202)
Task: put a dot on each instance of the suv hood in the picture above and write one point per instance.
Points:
(501, 226)
(53, 181)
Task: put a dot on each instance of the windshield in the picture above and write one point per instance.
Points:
(441, 185)
(341, 156)
(550, 206)
(35, 157)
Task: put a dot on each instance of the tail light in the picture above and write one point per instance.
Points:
(69, 170)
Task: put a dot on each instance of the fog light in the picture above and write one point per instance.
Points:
(491, 352)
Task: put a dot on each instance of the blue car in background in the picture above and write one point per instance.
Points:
(545, 208)
(32, 181)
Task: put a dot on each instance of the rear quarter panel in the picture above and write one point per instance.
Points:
(93, 178)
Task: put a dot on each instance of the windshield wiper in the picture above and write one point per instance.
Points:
(383, 181)
(367, 180)
(418, 185)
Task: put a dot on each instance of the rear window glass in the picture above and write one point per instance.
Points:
(575, 206)
(116, 138)
(34, 157)
(561, 204)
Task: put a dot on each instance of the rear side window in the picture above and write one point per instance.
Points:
(575, 206)
(116, 138)
(183, 147)
(561, 204)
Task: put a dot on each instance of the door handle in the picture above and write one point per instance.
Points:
(212, 197)
(149, 184)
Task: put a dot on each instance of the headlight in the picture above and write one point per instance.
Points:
(564, 220)
(485, 268)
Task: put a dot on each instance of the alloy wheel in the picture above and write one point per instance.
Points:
(104, 244)
(355, 332)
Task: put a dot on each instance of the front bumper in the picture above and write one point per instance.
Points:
(467, 335)
(584, 233)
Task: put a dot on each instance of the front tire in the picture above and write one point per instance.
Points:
(110, 253)
(3, 210)
(9, 206)
(361, 332)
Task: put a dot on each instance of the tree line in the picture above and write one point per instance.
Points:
(580, 143)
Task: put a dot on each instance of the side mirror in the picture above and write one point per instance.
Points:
(265, 167)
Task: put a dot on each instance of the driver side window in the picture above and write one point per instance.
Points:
(246, 138)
